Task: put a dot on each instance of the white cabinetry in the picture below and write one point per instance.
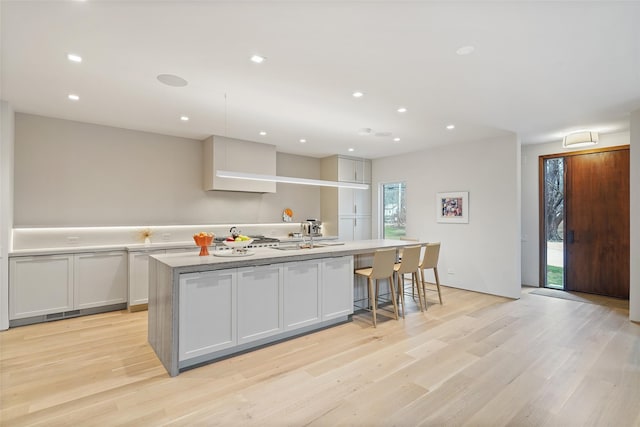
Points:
(346, 212)
(337, 289)
(100, 279)
(207, 313)
(302, 302)
(354, 228)
(354, 170)
(260, 302)
(40, 285)
(47, 284)
(139, 273)
(354, 202)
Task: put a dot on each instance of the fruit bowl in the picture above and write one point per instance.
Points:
(203, 240)
(238, 243)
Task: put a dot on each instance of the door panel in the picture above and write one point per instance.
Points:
(597, 223)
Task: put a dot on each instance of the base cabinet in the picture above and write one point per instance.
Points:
(40, 285)
(260, 307)
(47, 284)
(222, 309)
(337, 290)
(302, 283)
(100, 279)
(207, 313)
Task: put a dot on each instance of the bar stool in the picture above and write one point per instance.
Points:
(430, 261)
(409, 264)
(383, 263)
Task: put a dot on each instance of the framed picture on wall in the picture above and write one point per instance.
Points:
(452, 207)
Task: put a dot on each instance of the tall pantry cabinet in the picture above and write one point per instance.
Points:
(346, 212)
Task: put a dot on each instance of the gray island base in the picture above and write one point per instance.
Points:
(202, 309)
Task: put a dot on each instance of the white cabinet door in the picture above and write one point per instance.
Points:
(354, 170)
(259, 302)
(362, 202)
(345, 228)
(346, 170)
(337, 290)
(301, 294)
(40, 285)
(139, 276)
(100, 279)
(207, 313)
(362, 228)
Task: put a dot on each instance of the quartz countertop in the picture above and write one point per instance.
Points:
(262, 256)
(135, 247)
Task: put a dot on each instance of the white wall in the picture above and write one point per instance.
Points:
(79, 174)
(634, 296)
(484, 255)
(530, 205)
(6, 206)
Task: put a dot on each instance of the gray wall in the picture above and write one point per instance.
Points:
(78, 174)
(483, 255)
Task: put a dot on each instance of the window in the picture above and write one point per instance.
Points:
(394, 210)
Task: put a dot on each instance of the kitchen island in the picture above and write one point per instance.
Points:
(205, 308)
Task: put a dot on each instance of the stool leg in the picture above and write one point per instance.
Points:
(393, 297)
(373, 301)
(419, 293)
(400, 290)
(424, 290)
(435, 273)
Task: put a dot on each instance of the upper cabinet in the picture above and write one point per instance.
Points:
(354, 170)
(227, 154)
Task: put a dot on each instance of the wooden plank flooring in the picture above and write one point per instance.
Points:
(477, 360)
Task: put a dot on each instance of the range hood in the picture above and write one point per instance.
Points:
(235, 155)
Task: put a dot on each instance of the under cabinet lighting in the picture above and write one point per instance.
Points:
(289, 180)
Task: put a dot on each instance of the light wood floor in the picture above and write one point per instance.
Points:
(478, 360)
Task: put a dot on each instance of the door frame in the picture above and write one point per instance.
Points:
(542, 240)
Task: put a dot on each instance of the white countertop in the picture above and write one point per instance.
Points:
(262, 256)
(135, 247)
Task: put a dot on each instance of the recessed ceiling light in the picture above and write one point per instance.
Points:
(74, 58)
(465, 50)
(258, 59)
(262, 133)
(351, 150)
(450, 127)
(303, 141)
(172, 80)
(358, 94)
(73, 97)
(184, 118)
(396, 139)
(402, 110)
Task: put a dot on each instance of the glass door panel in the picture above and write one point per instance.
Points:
(394, 210)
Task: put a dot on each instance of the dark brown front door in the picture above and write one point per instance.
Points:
(597, 223)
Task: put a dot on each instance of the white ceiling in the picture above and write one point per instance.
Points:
(539, 69)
